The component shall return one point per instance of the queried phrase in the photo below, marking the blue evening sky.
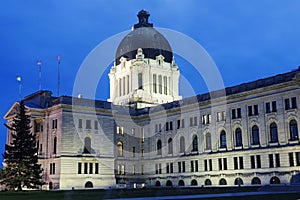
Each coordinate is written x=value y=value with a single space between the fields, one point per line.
x=247 y=39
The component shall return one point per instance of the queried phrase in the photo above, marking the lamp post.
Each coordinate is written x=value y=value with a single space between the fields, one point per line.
x=19 y=79
x=39 y=64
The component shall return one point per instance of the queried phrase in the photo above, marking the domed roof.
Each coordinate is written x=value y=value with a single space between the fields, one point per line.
x=144 y=36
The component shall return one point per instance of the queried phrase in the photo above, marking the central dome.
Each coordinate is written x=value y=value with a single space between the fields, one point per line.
x=144 y=36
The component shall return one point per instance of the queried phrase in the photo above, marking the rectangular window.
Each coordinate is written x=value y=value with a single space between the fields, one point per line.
x=255 y=107
x=159 y=84
x=156 y=168
x=132 y=131
x=252 y=161
x=178 y=124
x=195 y=121
x=165 y=85
x=241 y=162
x=167 y=168
x=91 y=168
x=298 y=158
x=205 y=165
x=96 y=125
x=159 y=127
x=258 y=161
x=271 y=161
x=119 y=169
x=223 y=115
x=85 y=168
x=171 y=125
x=182 y=123
x=291 y=159
x=274 y=107
x=196 y=166
x=171 y=167
x=54 y=124
x=239 y=113
x=220 y=163
x=294 y=102
x=225 y=163
x=250 y=111
x=287 y=104
x=235 y=162
x=96 y=168
x=154 y=83
x=50 y=168
x=179 y=167
x=268 y=107
x=183 y=166
x=192 y=166
x=79 y=123
x=140 y=81
x=233 y=116
x=124 y=86
x=123 y=169
x=88 y=124
x=277 y=160
x=79 y=168
x=167 y=126
x=159 y=170
x=191 y=121
x=219 y=116
x=210 y=165
x=128 y=85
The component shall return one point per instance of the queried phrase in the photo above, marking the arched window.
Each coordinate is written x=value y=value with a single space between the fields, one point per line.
x=54 y=145
x=273 y=132
x=255 y=135
x=169 y=183
x=274 y=180
x=255 y=181
x=182 y=145
x=157 y=184
x=88 y=184
x=170 y=146
x=222 y=181
x=158 y=147
x=293 y=130
x=181 y=183
x=223 y=139
x=194 y=182
x=207 y=182
x=87 y=145
x=238 y=137
x=208 y=141
x=238 y=181
x=120 y=148
x=195 y=143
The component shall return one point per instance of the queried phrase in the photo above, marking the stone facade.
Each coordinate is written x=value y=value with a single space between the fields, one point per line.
x=146 y=135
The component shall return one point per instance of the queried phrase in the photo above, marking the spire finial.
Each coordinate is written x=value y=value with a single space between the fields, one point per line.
x=143 y=16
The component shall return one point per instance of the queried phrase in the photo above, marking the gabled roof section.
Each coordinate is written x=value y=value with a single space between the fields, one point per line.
x=12 y=111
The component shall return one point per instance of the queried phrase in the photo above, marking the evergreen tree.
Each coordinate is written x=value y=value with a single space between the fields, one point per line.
x=21 y=168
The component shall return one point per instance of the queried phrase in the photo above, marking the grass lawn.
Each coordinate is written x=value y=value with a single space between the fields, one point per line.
x=129 y=193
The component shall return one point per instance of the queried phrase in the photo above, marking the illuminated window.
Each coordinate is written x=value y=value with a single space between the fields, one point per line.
x=120 y=148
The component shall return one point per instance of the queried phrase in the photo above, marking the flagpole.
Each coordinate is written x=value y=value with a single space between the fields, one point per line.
x=39 y=64
x=58 y=74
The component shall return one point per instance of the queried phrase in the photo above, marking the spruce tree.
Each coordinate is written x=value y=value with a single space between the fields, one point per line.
x=21 y=168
